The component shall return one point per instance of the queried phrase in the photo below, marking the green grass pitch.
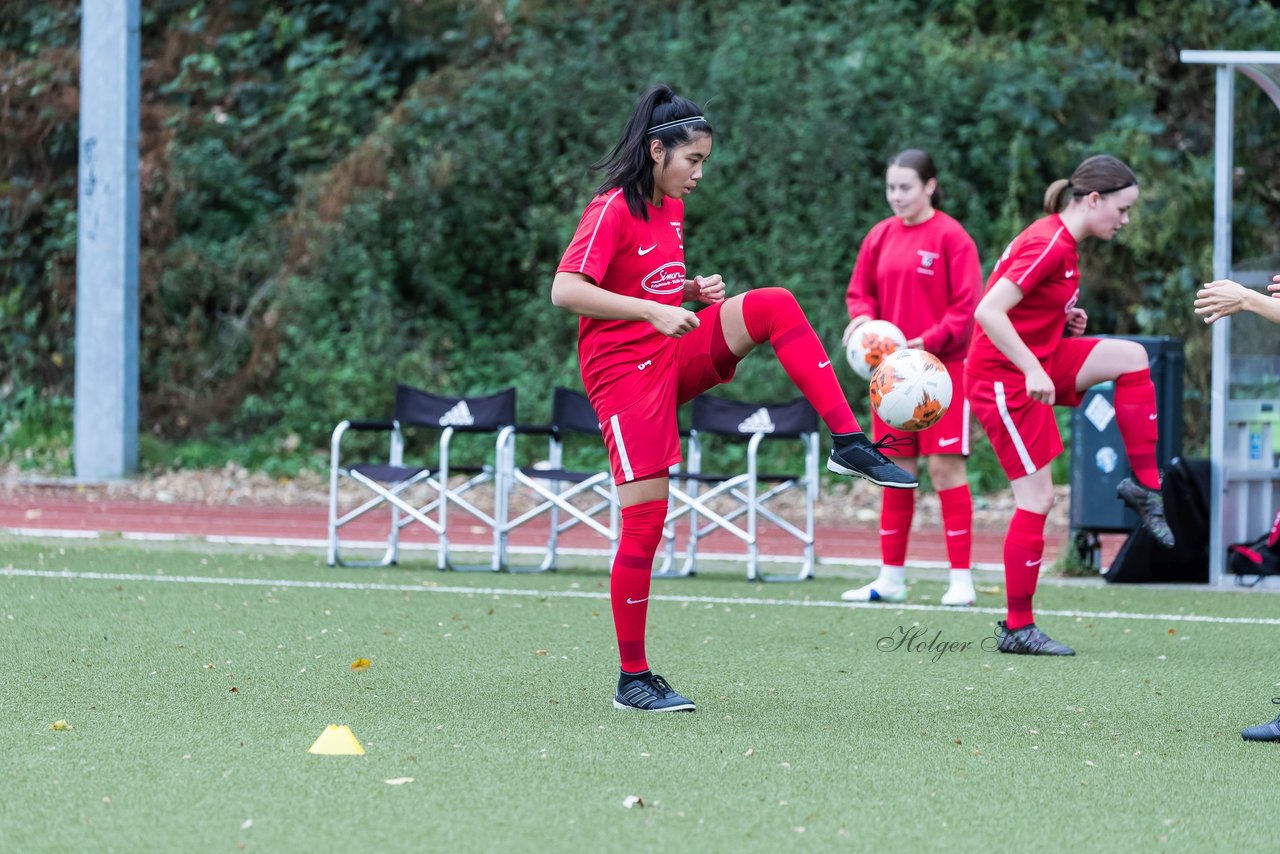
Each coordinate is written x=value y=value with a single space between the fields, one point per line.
x=194 y=684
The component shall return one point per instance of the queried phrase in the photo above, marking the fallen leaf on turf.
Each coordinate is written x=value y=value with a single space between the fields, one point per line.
x=246 y=824
x=632 y=801
x=1172 y=632
x=361 y=664
x=60 y=726
x=539 y=652
x=398 y=781
x=751 y=751
x=233 y=690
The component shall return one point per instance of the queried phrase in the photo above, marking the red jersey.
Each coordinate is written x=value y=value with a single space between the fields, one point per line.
x=1042 y=261
x=625 y=254
x=923 y=278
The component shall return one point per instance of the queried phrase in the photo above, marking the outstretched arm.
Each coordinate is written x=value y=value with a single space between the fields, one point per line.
x=1224 y=297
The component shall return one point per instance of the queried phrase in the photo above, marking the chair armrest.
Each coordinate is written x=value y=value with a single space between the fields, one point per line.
x=537 y=430
x=371 y=425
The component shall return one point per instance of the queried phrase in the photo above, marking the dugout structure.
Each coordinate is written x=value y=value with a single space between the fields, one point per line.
x=1244 y=438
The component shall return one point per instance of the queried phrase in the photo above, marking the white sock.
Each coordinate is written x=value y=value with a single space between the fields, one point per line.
x=961 y=576
x=892 y=576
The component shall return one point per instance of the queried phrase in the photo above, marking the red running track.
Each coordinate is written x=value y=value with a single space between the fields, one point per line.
x=55 y=513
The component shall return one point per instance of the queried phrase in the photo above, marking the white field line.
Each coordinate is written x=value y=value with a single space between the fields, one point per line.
x=68 y=575
x=374 y=545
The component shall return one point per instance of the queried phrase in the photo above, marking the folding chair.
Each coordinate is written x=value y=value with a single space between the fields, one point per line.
x=395 y=483
x=570 y=497
x=714 y=501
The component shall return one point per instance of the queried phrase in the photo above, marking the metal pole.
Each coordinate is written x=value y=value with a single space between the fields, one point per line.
x=1223 y=137
x=106 y=381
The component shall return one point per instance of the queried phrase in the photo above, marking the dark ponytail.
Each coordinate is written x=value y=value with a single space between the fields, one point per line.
x=920 y=161
x=659 y=114
x=1101 y=174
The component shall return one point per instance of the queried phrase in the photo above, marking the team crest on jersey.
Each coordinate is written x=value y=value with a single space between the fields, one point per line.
x=926 y=261
x=667 y=279
x=679 y=232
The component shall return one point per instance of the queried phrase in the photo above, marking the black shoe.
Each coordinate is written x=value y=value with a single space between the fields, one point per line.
x=1263 y=732
x=648 y=692
x=854 y=454
x=1029 y=640
x=1149 y=505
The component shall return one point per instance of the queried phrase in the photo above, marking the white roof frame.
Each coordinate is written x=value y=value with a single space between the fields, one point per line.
x=1244 y=492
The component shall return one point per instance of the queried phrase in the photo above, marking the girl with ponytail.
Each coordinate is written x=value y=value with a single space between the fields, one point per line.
x=1028 y=354
x=642 y=353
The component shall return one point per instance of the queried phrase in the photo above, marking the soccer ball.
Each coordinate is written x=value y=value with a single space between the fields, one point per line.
x=870 y=343
x=911 y=390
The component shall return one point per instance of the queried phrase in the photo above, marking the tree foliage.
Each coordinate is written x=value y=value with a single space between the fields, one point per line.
x=337 y=196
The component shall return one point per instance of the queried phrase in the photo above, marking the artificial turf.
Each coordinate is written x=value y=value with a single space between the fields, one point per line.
x=192 y=702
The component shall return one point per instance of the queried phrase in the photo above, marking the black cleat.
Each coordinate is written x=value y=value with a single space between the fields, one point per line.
x=1149 y=505
x=856 y=455
x=1263 y=732
x=1029 y=640
x=648 y=692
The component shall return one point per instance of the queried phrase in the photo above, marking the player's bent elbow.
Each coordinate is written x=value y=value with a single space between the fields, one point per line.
x=562 y=292
x=983 y=315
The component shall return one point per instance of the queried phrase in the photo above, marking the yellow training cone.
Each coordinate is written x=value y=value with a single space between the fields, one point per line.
x=337 y=740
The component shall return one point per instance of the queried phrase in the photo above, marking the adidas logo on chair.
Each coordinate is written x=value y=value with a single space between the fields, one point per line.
x=458 y=416
x=757 y=422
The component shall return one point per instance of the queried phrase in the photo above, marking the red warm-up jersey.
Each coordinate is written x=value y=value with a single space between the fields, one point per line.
x=1042 y=261
x=924 y=278
x=625 y=254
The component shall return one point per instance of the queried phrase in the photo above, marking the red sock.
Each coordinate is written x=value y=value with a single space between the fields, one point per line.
x=1136 y=418
x=629 y=582
x=1023 y=551
x=896 y=509
x=957 y=524
x=773 y=315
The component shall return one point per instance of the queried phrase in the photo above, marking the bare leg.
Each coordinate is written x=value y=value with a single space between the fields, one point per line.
x=1110 y=359
x=947 y=471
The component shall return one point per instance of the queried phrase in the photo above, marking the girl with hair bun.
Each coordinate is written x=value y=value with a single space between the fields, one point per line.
x=642 y=353
x=1028 y=355
x=919 y=270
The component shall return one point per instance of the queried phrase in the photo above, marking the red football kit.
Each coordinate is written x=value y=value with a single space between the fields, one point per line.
x=633 y=374
x=925 y=279
x=1043 y=262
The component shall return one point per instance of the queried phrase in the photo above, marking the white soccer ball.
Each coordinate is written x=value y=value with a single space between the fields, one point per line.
x=911 y=390
x=870 y=343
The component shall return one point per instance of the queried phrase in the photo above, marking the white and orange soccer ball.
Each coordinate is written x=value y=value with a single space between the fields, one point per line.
x=870 y=343
x=910 y=390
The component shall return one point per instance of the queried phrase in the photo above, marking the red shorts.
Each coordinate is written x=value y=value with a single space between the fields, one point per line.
x=949 y=436
x=638 y=417
x=1024 y=432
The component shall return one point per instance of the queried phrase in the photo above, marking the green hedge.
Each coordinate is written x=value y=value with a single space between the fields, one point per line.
x=339 y=196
